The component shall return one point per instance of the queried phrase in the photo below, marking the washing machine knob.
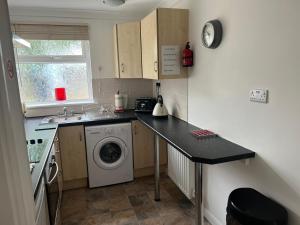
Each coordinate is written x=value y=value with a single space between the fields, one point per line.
x=108 y=131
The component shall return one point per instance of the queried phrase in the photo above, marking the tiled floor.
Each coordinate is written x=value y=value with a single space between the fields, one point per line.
x=128 y=204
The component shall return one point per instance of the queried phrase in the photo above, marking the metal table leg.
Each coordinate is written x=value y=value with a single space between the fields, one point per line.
x=198 y=193
x=156 y=164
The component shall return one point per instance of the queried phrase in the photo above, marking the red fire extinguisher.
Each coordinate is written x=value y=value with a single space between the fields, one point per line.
x=187 y=56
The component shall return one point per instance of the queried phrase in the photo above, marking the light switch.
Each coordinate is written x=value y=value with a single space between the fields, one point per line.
x=259 y=95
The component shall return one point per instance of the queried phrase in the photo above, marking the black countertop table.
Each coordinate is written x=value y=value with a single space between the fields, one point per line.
x=211 y=150
x=177 y=133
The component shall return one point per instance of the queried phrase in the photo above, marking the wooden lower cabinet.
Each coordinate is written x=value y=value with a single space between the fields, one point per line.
x=73 y=156
x=143 y=150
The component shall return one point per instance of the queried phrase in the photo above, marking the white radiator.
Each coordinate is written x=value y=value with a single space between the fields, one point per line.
x=182 y=171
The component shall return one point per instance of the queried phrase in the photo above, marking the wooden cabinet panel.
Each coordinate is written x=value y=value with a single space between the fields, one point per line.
x=172 y=30
x=143 y=145
x=129 y=50
x=116 y=53
x=159 y=28
x=73 y=152
x=149 y=46
x=143 y=148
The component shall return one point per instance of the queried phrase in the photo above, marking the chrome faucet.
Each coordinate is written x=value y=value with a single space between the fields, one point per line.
x=65 y=112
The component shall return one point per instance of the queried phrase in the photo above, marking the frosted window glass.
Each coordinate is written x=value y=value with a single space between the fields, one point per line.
x=52 y=48
x=39 y=73
x=39 y=81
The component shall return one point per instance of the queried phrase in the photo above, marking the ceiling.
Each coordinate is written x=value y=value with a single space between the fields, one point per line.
x=132 y=6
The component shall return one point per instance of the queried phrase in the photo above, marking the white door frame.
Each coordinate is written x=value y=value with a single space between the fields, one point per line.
x=16 y=192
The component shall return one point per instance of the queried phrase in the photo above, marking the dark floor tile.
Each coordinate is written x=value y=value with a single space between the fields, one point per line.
x=114 y=190
x=145 y=212
x=139 y=199
x=151 y=221
x=124 y=217
x=96 y=194
x=177 y=219
x=119 y=203
x=128 y=204
x=164 y=195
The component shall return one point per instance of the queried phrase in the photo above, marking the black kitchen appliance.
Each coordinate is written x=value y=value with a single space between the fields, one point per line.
x=145 y=104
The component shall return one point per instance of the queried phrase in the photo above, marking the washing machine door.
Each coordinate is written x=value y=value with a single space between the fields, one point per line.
x=110 y=153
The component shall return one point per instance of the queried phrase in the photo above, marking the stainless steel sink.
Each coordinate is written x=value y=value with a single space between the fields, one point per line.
x=62 y=119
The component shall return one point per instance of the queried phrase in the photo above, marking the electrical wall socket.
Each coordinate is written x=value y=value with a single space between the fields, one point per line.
x=259 y=95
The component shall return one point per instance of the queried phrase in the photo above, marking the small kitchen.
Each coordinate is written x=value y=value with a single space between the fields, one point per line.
x=126 y=120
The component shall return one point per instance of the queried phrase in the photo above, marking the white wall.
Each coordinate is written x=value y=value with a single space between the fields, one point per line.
x=175 y=95
x=259 y=50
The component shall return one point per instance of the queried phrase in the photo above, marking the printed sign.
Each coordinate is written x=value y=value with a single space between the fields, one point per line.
x=170 y=55
x=10 y=69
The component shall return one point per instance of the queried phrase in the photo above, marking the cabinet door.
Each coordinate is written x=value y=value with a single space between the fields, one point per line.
x=116 y=53
x=129 y=50
x=73 y=152
x=149 y=46
x=172 y=29
x=143 y=147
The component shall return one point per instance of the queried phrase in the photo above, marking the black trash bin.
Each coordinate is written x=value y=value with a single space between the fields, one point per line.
x=247 y=206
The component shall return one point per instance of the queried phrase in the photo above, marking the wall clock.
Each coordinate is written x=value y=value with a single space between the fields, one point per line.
x=212 y=34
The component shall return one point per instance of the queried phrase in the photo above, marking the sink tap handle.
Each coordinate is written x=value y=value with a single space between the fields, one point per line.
x=65 y=111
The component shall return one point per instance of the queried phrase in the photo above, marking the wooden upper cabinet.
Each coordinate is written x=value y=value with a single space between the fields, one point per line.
x=149 y=46
x=128 y=59
x=163 y=27
x=73 y=152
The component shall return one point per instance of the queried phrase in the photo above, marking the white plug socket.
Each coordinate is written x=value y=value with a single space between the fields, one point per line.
x=259 y=95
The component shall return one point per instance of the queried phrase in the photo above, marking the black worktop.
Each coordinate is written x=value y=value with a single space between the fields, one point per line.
x=212 y=150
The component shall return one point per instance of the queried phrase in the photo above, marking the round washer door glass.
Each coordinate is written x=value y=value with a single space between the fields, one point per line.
x=110 y=153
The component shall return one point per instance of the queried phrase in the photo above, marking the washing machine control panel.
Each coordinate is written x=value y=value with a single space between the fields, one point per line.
x=108 y=131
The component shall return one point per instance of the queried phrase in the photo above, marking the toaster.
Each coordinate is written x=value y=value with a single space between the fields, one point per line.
x=145 y=104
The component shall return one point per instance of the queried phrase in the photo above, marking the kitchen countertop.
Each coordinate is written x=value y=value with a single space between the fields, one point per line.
x=210 y=150
x=35 y=130
x=90 y=121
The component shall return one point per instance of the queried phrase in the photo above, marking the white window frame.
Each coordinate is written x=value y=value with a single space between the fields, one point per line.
x=84 y=58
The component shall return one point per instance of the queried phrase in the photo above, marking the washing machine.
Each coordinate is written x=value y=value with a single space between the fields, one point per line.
x=109 y=154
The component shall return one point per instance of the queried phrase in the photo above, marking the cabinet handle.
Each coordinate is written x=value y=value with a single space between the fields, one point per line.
x=135 y=130
x=80 y=137
x=56 y=144
x=122 y=68
x=155 y=66
x=55 y=174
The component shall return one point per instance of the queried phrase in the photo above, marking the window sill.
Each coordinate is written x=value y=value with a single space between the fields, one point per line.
x=58 y=104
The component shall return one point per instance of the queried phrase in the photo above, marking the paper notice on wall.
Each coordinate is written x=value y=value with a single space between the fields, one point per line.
x=170 y=55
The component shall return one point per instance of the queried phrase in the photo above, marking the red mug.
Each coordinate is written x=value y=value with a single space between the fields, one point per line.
x=60 y=94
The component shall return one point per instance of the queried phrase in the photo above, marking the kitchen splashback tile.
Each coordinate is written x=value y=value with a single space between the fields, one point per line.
x=105 y=89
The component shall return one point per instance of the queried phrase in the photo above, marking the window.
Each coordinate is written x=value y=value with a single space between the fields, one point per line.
x=51 y=64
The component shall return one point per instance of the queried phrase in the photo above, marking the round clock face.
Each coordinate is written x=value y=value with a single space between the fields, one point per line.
x=212 y=34
x=208 y=34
